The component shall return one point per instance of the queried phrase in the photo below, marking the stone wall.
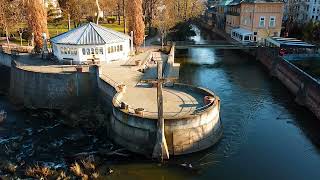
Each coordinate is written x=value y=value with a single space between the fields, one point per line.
x=303 y=86
x=4 y=79
x=184 y=135
x=5 y=59
x=50 y=90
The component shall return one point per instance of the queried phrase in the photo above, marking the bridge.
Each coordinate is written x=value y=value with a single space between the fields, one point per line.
x=213 y=44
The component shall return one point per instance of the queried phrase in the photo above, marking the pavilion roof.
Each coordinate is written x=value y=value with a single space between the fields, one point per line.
x=90 y=34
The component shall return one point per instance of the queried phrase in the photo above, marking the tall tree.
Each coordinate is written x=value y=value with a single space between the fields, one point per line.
x=37 y=21
x=11 y=15
x=136 y=23
x=76 y=10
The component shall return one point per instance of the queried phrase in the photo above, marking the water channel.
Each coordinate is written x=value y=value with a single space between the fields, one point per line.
x=266 y=135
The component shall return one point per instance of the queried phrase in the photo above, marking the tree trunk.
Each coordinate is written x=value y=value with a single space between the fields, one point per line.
x=98 y=13
x=7 y=35
x=185 y=10
x=119 y=13
x=69 y=22
x=124 y=16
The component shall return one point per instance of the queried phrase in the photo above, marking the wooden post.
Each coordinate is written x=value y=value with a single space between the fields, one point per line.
x=160 y=150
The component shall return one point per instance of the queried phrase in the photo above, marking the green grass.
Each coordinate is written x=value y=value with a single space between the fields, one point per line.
x=15 y=41
x=56 y=30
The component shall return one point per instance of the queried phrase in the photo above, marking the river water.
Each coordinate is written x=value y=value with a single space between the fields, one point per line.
x=266 y=135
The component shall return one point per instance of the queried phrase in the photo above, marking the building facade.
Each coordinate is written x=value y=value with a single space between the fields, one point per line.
x=232 y=17
x=313 y=10
x=258 y=20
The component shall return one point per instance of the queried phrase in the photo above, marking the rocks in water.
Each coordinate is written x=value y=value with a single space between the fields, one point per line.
x=8 y=167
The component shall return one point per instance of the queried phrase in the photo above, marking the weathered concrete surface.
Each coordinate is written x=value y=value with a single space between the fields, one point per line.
x=190 y=126
x=42 y=89
x=304 y=87
x=4 y=79
x=5 y=59
x=185 y=134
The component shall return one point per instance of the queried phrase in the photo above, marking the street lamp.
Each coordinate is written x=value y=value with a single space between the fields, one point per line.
x=161 y=8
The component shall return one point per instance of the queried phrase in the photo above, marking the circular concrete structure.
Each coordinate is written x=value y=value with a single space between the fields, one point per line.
x=190 y=125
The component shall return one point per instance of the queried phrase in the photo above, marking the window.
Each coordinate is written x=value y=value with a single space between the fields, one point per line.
x=312 y=17
x=92 y=51
x=118 y=48
x=121 y=48
x=88 y=51
x=101 y=50
x=112 y=50
x=272 y=22
x=75 y=51
x=261 y=22
x=314 y=9
x=61 y=50
x=96 y=50
x=246 y=38
x=316 y=17
x=109 y=50
x=83 y=51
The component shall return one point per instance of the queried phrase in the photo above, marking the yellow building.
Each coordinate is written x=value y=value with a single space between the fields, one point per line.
x=257 y=21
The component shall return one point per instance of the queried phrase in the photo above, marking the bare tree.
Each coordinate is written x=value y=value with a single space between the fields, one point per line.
x=11 y=15
x=76 y=10
x=37 y=21
x=136 y=23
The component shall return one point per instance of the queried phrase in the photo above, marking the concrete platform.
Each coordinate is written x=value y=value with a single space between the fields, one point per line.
x=178 y=103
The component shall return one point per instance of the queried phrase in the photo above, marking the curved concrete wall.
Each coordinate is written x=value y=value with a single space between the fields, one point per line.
x=185 y=135
x=50 y=90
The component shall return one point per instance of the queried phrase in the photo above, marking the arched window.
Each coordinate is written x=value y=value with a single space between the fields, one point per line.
x=65 y=50
x=112 y=49
x=109 y=50
x=61 y=50
x=118 y=48
x=75 y=51
x=121 y=47
x=92 y=50
x=69 y=52
x=88 y=51
x=83 y=51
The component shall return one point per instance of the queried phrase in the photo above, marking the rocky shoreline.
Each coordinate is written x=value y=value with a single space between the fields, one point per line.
x=52 y=144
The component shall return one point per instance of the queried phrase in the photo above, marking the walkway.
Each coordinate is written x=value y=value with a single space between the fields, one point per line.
x=177 y=102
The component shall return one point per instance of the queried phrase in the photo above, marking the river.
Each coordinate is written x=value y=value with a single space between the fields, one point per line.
x=266 y=134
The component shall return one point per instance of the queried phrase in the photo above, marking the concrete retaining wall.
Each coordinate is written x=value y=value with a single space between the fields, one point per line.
x=303 y=86
x=4 y=79
x=185 y=135
x=50 y=90
x=5 y=59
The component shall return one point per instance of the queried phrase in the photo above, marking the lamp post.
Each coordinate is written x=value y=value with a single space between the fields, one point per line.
x=162 y=27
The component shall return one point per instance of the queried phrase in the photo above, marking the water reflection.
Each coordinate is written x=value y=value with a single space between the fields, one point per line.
x=266 y=135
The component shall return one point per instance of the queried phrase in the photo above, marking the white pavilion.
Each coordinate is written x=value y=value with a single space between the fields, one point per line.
x=90 y=43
